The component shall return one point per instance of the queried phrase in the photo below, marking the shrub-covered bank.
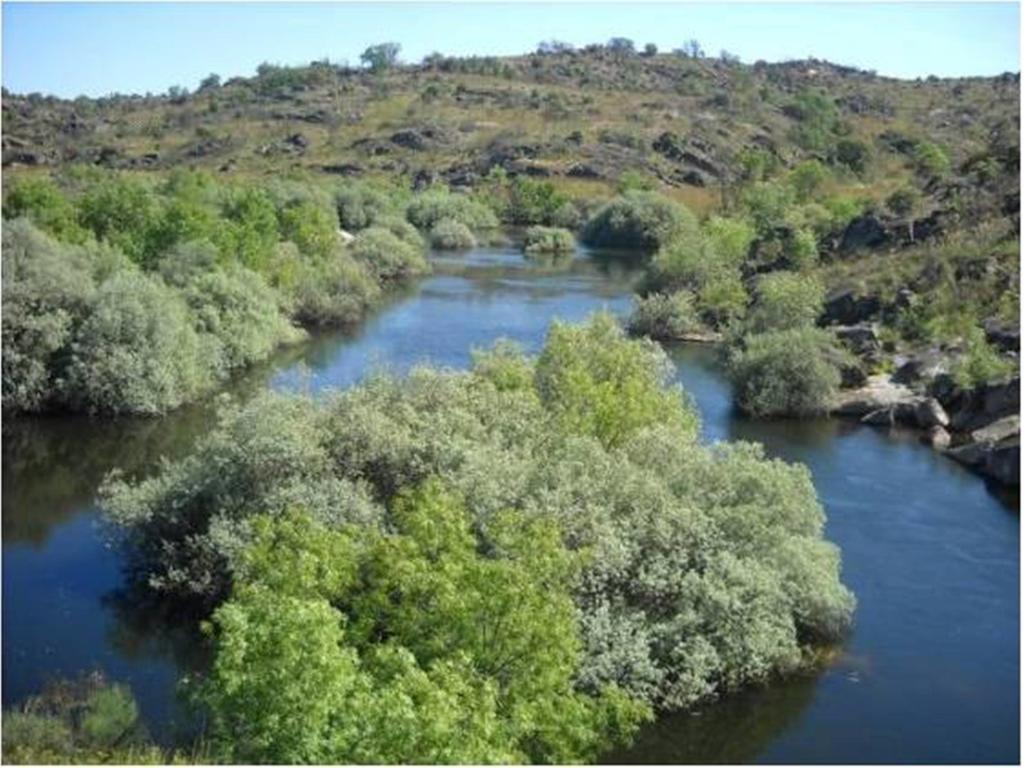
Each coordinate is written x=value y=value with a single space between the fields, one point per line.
x=126 y=294
x=425 y=533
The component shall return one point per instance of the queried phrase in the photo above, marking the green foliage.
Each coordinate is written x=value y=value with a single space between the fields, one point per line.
x=817 y=119
x=310 y=227
x=789 y=372
x=359 y=205
x=702 y=569
x=767 y=204
x=981 y=364
x=42 y=201
x=430 y=207
x=595 y=382
x=722 y=301
x=380 y=57
x=784 y=301
x=533 y=201
x=639 y=219
x=137 y=351
x=806 y=178
x=235 y=261
x=930 y=160
x=451 y=235
x=407 y=647
x=633 y=179
x=48 y=288
x=549 y=240
x=756 y=164
x=665 y=316
x=386 y=255
x=87 y=720
x=851 y=153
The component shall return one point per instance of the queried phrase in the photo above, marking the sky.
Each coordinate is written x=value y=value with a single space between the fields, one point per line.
x=71 y=49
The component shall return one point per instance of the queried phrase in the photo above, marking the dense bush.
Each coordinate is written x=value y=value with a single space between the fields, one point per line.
x=478 y=661
x=386 y=255
x=639 y=219
x=87 y=720
x=360 y=205
x=430 y=207
x=785 y=300
x=48 y=288
x=548 y=240
x=703 y=568
x=137 y=351
x=451 y=235
x=665 y=316
x=209 y=274
x=789 y=372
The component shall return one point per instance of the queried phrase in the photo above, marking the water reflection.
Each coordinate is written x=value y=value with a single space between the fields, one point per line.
x=735 y=729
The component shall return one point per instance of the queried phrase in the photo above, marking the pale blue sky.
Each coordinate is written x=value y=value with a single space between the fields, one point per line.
x=96 y=48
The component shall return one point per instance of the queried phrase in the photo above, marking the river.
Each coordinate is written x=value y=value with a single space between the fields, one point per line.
x=929 y=674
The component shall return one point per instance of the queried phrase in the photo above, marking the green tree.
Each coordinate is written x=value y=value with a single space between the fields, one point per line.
x=785 y=300
x=597 y=382
x=406 y=647
x=380 y=57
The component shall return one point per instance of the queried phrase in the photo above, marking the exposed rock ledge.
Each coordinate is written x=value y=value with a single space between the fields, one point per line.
x=991 y=447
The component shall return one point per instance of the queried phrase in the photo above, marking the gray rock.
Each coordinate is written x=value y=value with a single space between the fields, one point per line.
x=937 y=437
x=999 y=461
x=1003 y=335
x=862 y=339
x=997 y=430
x=882 y=417
x=921 y=366
x=928 y=413
x=864 y=232
x=880 y=392
x=978 y=407
x=845 y=307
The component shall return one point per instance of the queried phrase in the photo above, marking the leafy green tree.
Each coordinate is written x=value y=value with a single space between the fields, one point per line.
x=549 y=240
x=137 y=351
x=785 y=300
x=43 y=202
x=380 y=57
x=596 y=382
x=479 y=654
x=310 y=227
x=852 y=153
x=451 y=235
x=807 y=177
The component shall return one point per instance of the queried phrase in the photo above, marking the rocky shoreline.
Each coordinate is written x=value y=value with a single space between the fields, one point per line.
x=979 y=428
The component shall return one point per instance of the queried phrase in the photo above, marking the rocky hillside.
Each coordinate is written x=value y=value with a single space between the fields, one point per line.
x=580 y=117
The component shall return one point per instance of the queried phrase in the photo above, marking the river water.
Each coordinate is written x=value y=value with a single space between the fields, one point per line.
x=930 y=673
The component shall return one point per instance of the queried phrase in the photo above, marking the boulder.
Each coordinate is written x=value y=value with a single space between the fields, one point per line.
x=865 y=231
x=920 y=366
x=879 y=393
x=937 y=437
x=410 y=139
x=1003 y=335
x=928 y=414
x=845 y=307
x=861 y=339
x=997 y=460
x=997 y=430
x=882 y=417
x=973 y=409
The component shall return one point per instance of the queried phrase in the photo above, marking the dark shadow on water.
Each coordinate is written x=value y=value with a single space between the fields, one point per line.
x=734 y=729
